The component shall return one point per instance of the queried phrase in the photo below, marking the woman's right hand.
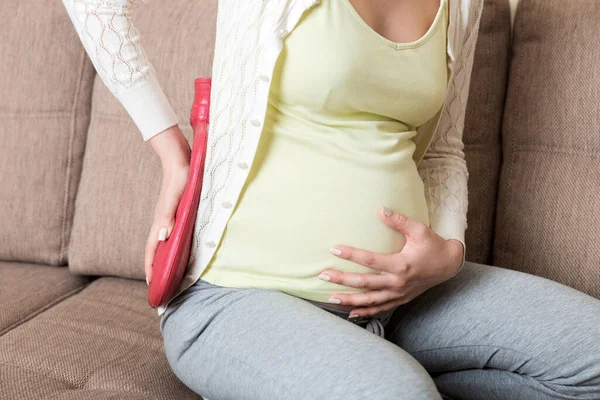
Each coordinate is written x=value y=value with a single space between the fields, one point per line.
x=174 y=152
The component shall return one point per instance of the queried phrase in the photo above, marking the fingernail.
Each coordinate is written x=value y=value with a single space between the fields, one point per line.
x=162 y=234
x=325 y=277
x=147 y=281
x=335 y=251
x=334 y=301
x=387 y=212
x=353 y=316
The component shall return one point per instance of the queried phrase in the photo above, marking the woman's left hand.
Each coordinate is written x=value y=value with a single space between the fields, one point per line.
x=426 y=260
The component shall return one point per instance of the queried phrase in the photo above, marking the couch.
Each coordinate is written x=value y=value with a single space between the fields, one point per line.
x=78 y=186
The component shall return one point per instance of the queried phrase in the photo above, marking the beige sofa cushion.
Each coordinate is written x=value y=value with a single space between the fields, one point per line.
x=28 y=289
x=547 y=221
x=483 y=123
x=102 y=343
x=45 y=92
x=122 y=175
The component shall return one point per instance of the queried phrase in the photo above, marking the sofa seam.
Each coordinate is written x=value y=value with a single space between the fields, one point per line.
x=39 y=311
x=68 y=174
x=504 y=64
x=37 y=114
x=550 y=149
x=517 y=80
x=37 y=371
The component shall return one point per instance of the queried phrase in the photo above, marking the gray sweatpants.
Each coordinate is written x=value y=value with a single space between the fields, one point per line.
x=488 y=333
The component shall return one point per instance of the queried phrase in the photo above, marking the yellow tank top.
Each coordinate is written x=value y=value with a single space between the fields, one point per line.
x=336 y=145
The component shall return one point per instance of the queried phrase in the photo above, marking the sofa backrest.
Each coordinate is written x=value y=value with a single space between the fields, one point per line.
x=45 y=93
x=121 y=177
x=548 y=205
x=483 y=126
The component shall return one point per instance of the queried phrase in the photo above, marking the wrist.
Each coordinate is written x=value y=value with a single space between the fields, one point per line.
x=172 y=147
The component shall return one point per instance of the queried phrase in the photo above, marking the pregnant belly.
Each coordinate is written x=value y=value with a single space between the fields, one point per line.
x=297 y=204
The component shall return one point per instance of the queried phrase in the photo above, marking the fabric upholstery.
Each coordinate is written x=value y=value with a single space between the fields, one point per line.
x=28 y=289
x=45 y=93
x=483 y=123
x=548 y=205
x=122 y=175
x=102 y=343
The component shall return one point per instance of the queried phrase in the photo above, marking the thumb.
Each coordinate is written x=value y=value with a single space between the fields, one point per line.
x=399 y=222
x=167 y=216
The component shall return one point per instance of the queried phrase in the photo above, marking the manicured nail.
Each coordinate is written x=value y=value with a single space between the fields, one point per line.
x=335 y=251
x=147 y=281
x=354 y=315
x=387 y=212
x=334 y=301
x=325 y=277
x=162 y=234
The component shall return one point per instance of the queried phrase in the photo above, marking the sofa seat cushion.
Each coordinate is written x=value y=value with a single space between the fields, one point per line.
x=102 y=343
x=28 y=289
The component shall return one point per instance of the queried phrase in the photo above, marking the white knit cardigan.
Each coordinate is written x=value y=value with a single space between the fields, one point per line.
x=249 y=38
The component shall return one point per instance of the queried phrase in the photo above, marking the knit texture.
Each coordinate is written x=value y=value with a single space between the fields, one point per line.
x=112 y=42
x=443 y=167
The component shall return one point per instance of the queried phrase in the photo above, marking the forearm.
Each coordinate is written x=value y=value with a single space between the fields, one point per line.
x=445 y=179
x=113 y=45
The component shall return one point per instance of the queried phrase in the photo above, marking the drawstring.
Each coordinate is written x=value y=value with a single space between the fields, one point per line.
x=374 y=325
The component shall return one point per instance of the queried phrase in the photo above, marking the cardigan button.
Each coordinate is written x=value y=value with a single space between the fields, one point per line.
x=242 y=165
x=255 y=122
x=264 y=78
x=283 y=33
x=210 y=244
x=227 y=204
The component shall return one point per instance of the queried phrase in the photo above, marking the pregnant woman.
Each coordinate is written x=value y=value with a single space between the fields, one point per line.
x=328 y=256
